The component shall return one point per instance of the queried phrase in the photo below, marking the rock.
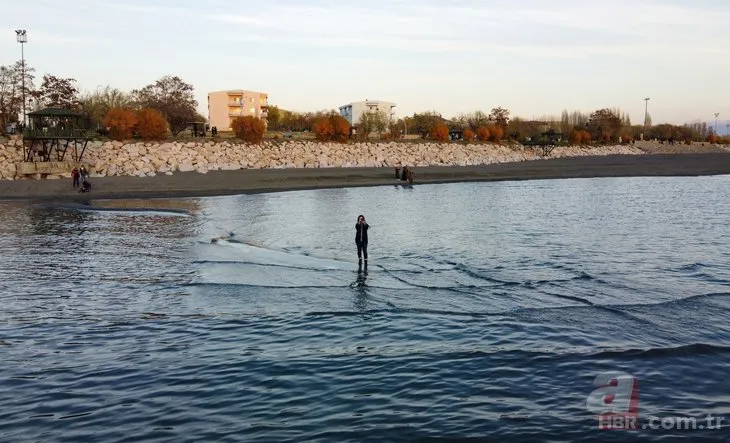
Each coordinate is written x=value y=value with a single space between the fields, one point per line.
x=186 y=167
x=168 y=173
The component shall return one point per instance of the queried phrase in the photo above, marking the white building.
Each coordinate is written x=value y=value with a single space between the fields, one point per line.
x=353 y=111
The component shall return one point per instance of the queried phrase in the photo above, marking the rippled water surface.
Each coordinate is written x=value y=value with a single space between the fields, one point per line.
x=487 y=311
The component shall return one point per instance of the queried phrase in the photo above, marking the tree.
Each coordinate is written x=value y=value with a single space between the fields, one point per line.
x=483 y=134
x=273 y=118
x=11 y=92
x=440 y=132
x=57 y=92
x=424 y=123
x=322 y=128
x=120 y=122
x=500 y=117
x=468 y=135
x=604 y=125
x=495 y=133
x=340 y=128
x=249 y=129
x=151 y=124
x=173 y=98
x=95 y=105
x=372 y=122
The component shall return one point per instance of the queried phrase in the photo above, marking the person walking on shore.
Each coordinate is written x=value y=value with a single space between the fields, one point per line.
x=84 y=173
x=75 y=175
x=361 y=238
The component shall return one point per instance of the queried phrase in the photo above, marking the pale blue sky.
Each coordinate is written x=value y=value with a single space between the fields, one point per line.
x=532 y=57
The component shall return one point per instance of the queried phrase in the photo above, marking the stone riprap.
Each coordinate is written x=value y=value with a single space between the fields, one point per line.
x=113 y=158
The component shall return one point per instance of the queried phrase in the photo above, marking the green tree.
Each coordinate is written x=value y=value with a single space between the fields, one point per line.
x=424 y=123
x=173 y=98
x=274 y=118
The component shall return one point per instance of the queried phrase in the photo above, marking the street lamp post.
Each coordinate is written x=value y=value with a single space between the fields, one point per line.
x=22 y=38
x=646 y=115
x=717 y=114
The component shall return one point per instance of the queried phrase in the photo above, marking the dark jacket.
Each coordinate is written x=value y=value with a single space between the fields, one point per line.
x=361 y=233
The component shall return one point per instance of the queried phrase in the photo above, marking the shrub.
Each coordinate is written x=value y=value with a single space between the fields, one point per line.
x=440 y=132
x=575 y=137
x=688 y=141
x=250 y=129
x=585 y=137
x=496 y=133
x=483 y=134
x=340 y=129
x=468 y=135
x=120 y=122
x=712 y=138
x=151 y=124
x=322 y=128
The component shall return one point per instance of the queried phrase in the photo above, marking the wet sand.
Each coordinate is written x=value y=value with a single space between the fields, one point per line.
x=193 y=184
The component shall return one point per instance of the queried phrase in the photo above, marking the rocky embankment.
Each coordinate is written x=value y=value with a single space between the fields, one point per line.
x=149 y=159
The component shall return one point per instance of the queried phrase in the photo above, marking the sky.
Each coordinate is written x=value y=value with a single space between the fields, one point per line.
x=532 y=57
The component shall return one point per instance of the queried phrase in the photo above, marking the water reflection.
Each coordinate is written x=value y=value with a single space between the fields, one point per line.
x=361 y=288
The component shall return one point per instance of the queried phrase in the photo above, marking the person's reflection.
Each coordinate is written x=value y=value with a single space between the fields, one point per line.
x=360 y=285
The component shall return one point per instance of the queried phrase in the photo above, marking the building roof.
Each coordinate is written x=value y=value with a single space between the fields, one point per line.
x=54 y=112
x=237 y=91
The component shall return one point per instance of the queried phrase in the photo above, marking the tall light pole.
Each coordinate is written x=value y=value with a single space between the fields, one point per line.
x=717 y=114
x=646 y=117
x=22 y=38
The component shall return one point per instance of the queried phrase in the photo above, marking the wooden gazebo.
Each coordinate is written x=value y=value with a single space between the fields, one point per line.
x=51 y=132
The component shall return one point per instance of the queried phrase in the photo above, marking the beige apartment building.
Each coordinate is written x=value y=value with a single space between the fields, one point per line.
x=224 y=106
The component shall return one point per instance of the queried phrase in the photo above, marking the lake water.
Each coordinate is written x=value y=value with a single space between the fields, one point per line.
x=487 y=311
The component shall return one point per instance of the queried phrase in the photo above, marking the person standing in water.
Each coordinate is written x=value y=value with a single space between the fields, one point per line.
x=361 y=238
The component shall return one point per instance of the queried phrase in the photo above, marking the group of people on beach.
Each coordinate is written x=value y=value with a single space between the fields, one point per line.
x=80 y=178
x=404 y=174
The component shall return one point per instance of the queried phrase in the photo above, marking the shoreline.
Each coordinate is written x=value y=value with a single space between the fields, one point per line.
x=250 y=181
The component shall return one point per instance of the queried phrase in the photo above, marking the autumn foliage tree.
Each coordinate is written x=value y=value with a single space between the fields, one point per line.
x=340 y=128
x=120 y=122
x=250 y=129
x=331 y=128
x=604 y=125
x=495 y=133
x=483 y=134
x=468 y=135
x=322 y=128
x=440 y=132
x=151 y=124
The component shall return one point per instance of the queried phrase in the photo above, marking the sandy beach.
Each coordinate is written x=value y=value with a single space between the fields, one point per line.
x=193 y=184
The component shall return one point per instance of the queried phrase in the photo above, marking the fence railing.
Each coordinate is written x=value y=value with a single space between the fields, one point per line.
x=31 y=133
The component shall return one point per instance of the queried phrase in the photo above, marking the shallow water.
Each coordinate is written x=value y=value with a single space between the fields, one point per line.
x=487 y=310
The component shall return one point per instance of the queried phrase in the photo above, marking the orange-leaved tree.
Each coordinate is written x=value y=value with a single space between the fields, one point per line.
x=322 y=128
x=495 y=133
x=575 y=137
x=468 y=135
x=585 y=137
x=340 y=128
x=483 y=134
x=120 y=122
x=440 y=132
x=250 y=129
x=151 y=124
